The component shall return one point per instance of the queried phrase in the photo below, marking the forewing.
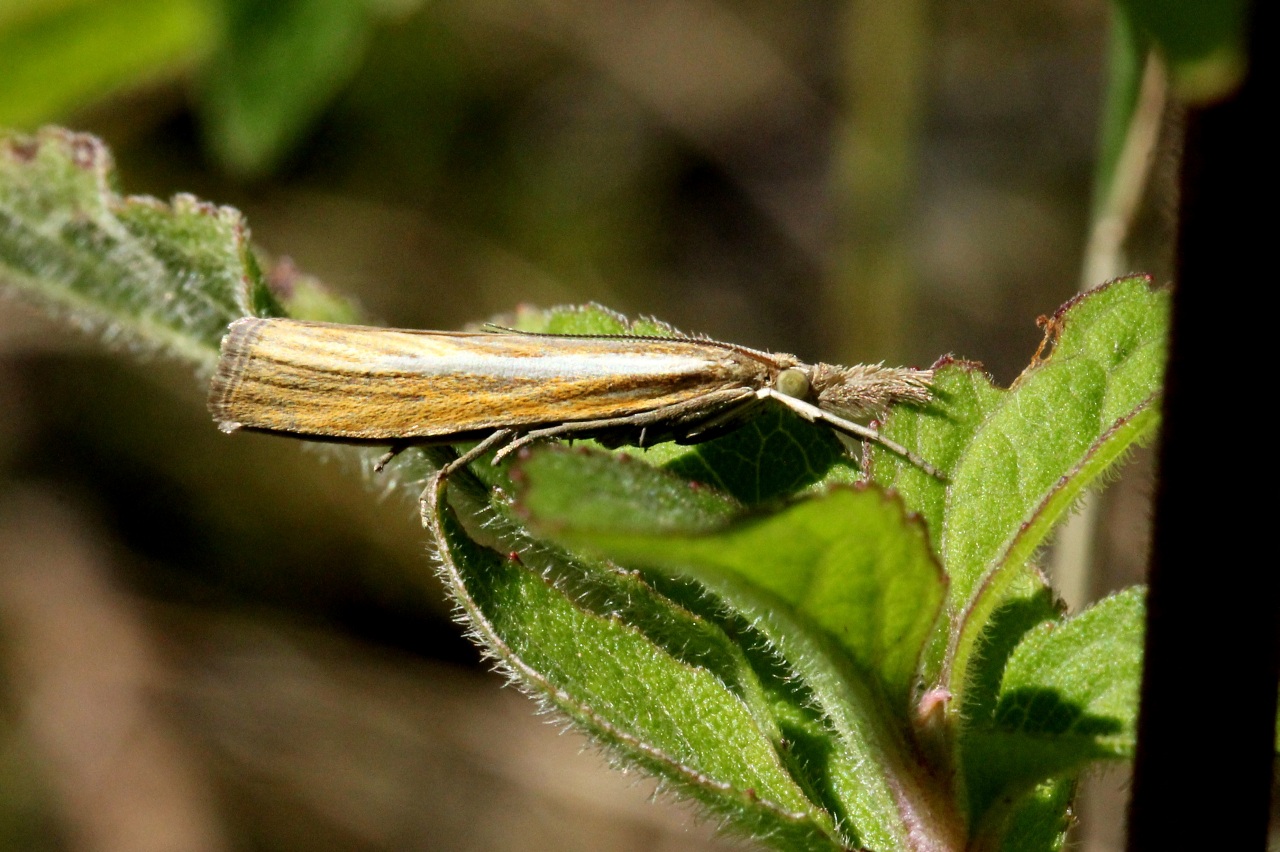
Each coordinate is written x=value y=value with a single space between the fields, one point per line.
x=358 y=383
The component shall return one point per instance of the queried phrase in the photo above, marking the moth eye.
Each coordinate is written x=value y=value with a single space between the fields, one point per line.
x=793 y=383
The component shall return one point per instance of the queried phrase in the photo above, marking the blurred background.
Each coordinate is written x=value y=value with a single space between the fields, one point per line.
x=215 y=644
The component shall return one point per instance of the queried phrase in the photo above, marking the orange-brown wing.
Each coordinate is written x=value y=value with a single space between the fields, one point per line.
x=358 y=383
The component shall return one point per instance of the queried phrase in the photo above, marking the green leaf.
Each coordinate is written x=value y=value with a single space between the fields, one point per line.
x=849 y=561
x=1030 y=605
x=59 y=55
x=1079 y=678
x=842 y=586
x=658 y=683
x=1061 y=418
x=577 y=319
x=1069 y=696
x=1203 y=44
x=772 y=455
x=1023 y=456
x=1040 y=821
x=963 y=397
x=768 y=570
x=277 y=67
x=596 y=491
x=160 y=277
x=304 y=296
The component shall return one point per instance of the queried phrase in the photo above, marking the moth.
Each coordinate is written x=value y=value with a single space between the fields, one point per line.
x=507 y=389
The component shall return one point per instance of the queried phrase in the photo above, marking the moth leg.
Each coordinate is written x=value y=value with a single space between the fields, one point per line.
x=499 y=436
x=578 y=428
x=705 y=429
x=430 y=496
x=692 y=412
x=809 y=412
x=814 y=414
x=385 y=459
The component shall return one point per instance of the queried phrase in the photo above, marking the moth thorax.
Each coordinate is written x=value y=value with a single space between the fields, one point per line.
x=793 y=383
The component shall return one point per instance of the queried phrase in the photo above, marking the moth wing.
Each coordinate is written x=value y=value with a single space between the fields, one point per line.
x=372 y=384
